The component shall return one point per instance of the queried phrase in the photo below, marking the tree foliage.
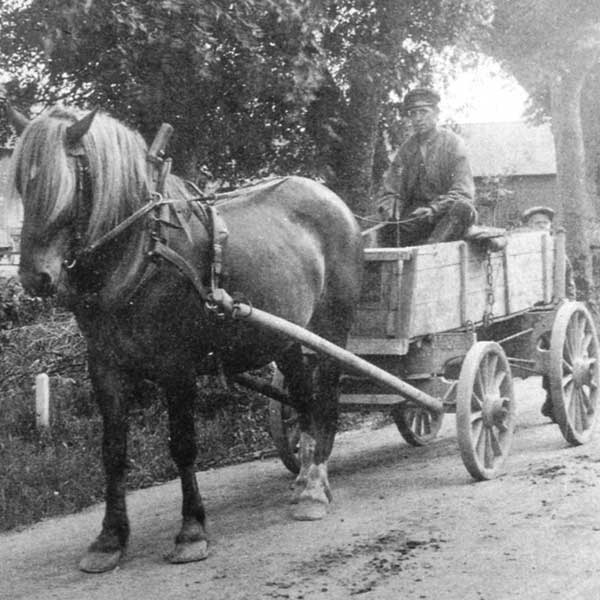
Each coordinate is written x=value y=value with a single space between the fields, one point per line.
x=227 y=75
x=552 y=46
x=251 y=86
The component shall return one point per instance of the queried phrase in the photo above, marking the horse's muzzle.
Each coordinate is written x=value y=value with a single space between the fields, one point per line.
x=38 y=283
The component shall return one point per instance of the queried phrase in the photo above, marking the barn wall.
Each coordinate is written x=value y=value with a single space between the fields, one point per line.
x=524 y=191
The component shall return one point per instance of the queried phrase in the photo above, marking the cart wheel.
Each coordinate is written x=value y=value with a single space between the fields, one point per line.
x=285 y=429
x=417 y=425
x=573 y=372
x=485 y=410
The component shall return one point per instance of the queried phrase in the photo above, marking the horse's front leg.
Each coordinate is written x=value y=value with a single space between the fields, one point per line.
x=112 y=390
x=313 y=494
x=191 y=544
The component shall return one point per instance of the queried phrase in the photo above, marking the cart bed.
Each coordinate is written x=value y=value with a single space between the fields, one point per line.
x=411 y=292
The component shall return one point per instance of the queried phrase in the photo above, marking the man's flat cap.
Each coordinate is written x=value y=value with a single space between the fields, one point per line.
x=420 y=97
x=545 y=210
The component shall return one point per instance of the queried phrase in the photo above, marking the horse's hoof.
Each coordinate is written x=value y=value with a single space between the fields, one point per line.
x=188 y=552
x=99 y=562
x=296 y=493
x=309 y=510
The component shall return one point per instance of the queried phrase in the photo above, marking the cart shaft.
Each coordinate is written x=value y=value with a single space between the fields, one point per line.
x=267 y=321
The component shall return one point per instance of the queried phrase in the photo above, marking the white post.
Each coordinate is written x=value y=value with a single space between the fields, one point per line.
x=42 y=400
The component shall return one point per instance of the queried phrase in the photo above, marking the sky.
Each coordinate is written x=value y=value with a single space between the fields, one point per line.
x=483 y=94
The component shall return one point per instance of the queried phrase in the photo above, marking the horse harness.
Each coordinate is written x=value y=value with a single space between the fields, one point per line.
x=161 y=212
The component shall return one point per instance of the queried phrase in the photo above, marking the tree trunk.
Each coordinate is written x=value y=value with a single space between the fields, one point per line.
x=590 y=122
x=577 y=212
x=355 y=175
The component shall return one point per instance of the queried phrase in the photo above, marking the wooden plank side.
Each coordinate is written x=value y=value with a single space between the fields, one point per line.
x=519 y=281
x=377 y=313
x=529 y=269
x=410 y=292
x=436 y=289
x=377 y=345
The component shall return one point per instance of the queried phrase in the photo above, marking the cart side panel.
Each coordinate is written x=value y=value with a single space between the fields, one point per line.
x=437 y=293
x=417 y=291
x=377 y=325
x=452 y=282
x=451 y=286
x=529 y=269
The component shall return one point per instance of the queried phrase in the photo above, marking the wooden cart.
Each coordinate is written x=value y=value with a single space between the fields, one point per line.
x=445 y=327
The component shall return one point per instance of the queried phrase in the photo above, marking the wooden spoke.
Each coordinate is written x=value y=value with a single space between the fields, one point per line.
x=479 y=434
x=481 y=385
x=476 y=416
x=485 y=410
x=495 y=442
x=489 y=456
x=587 y=340
x=567 y=366
x=567 y=382
x=499 y=378
x=478 y=404
x=417 y=425
x=491 y=372
x=285 y=432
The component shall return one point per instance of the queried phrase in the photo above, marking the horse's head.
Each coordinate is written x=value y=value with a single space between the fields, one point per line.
x=78 y=175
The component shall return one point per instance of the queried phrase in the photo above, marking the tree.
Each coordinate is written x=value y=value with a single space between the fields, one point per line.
x=551 y=46
x=251 y=86
x=590 y=112
x=374 y=51
x=229 y=76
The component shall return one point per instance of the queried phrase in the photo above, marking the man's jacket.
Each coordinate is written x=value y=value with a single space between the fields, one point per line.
x=437 y=177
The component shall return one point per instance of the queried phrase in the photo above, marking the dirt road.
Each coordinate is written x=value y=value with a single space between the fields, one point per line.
x=407 y=523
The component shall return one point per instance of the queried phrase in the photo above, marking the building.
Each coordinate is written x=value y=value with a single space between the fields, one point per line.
x=514 y=166
x=10 y=212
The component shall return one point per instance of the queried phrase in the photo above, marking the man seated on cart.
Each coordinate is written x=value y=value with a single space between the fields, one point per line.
x=542 y=217
x=429 y=183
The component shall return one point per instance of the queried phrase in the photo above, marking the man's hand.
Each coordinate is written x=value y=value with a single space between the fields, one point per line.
x=423 y=212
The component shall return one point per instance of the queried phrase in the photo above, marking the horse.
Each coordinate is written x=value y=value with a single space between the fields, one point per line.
x=293 y=249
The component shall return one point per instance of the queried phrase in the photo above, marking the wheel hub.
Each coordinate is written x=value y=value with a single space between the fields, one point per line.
x=581 y=372
x=495 y=409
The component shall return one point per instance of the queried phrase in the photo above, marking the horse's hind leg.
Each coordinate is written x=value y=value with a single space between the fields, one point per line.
x=191 y=544
x=296 y=371
x=332 y=323
x=111 y=389
x=315 y=494
x=312 y=385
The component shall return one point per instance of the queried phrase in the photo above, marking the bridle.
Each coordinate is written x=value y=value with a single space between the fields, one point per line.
x=79 y=252
x=202 y=206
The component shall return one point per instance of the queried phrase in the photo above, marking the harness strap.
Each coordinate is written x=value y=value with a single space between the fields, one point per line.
x=184 y=266
x=219 y=234
x=113 y=233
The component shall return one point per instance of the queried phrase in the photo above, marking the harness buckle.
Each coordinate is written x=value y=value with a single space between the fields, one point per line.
x=219 y=303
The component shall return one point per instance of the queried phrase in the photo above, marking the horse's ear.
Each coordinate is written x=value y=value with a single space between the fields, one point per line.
x=18 y=120
x=76 y=131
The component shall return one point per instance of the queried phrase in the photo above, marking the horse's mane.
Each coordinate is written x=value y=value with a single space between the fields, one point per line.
x=117 y=164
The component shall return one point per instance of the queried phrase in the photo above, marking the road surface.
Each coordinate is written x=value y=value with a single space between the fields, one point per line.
x=406 y=523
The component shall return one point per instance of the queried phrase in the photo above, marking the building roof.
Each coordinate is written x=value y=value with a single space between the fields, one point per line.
x=511 y=148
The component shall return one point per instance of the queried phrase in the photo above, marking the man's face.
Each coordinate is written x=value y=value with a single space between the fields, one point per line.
x=423 y=118
x=540 y=221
